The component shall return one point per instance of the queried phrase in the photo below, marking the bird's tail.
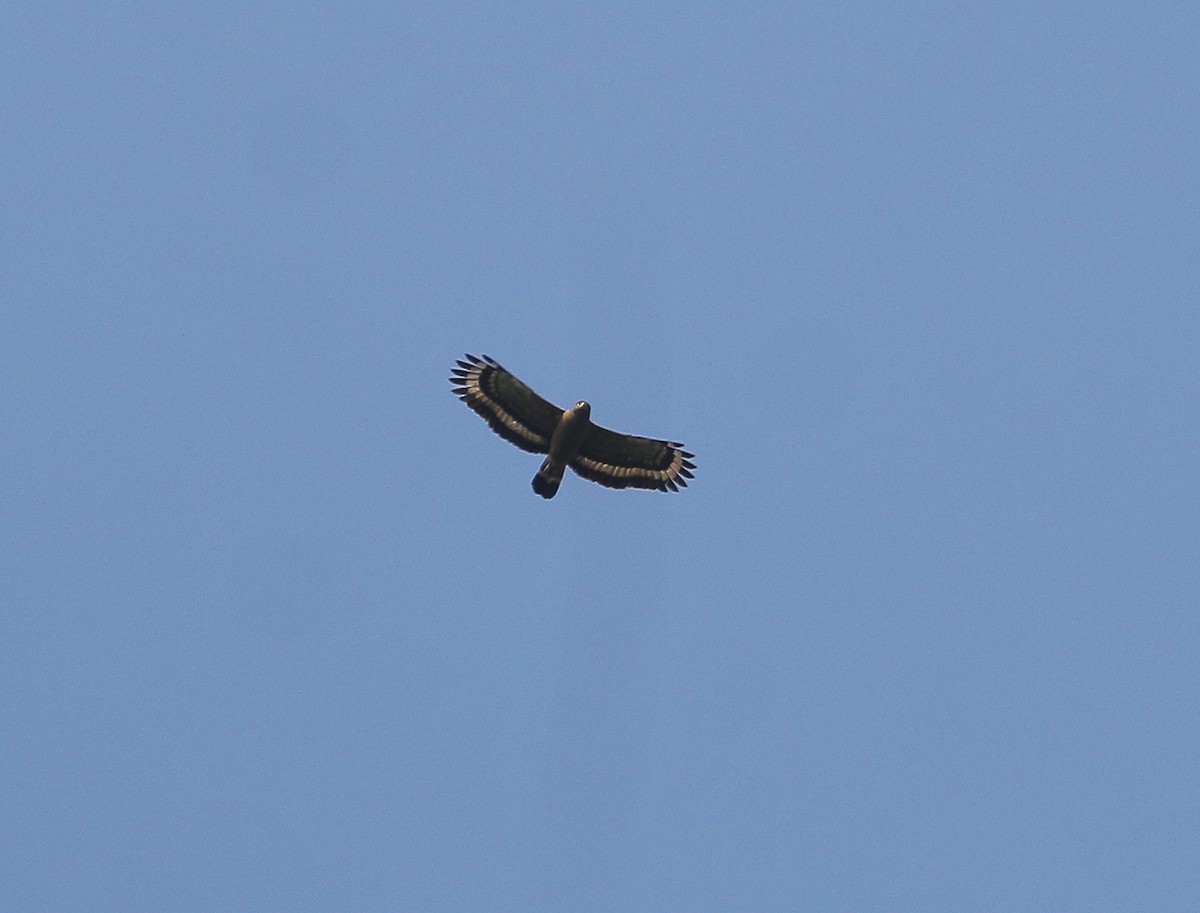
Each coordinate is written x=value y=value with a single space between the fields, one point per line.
x=548 y=478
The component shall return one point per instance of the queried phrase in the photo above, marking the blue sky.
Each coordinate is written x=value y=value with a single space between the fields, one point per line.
x=285 y=627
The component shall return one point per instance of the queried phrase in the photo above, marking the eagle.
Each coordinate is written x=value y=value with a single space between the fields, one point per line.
x=568 y=437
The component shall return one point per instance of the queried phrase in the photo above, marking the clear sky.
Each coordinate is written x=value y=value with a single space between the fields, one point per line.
x=284 y=627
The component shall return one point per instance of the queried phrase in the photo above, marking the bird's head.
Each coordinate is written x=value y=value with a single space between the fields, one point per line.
x=583 y=408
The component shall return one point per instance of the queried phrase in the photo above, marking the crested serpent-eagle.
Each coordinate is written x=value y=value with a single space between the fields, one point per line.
x=568 y=438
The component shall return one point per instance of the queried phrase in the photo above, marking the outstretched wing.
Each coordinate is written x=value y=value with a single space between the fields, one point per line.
x=514 y=411
x=627 y=461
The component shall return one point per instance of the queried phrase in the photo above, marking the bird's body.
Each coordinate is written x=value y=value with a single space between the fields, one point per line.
x=564 y=445
x=568 y=437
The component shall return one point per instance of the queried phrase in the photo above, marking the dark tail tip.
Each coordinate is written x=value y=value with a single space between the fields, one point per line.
x=546 y=484
x=545 y=487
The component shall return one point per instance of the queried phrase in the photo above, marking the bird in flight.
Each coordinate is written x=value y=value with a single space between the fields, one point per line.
x=568 y=437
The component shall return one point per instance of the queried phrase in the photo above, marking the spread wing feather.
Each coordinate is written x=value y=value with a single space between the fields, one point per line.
x=627 y=461
x=512 y=410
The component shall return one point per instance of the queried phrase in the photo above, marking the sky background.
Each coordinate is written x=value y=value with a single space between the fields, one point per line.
x=284 y=627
